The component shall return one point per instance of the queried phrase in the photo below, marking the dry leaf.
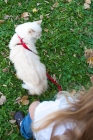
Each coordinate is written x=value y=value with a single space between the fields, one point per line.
x=19 y=4
x=12 y=113
x=1 y=21
x=69 y=0
x=46 y=30
x=91 y=79
x=6 y=17
x=88 y=1
x=86 y=6
x=12 y=121
x=34 y=10
x=5 y=1
x=3 y=98
x=90 y=61
x=41 y=16
x=1 y=102
x=24 y=98
x=54 y=77
x=55 y=5
x=5 y=70
x=25 y=102
x=25 y=15
x=88 y=53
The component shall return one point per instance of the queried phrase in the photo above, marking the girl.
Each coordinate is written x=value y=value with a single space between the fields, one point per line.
x=65 y=118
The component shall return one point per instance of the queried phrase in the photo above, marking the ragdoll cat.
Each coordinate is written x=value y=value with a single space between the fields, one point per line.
x=27 y=63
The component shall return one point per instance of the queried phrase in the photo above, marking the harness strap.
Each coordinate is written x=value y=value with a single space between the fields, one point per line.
x=48 y=76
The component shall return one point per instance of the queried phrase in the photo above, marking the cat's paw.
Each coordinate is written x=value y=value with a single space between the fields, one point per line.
x=24 y=86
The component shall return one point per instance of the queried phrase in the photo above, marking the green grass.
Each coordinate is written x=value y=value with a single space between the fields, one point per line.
x=70 y=30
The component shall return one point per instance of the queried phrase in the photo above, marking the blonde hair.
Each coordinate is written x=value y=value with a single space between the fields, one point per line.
x=82 y=115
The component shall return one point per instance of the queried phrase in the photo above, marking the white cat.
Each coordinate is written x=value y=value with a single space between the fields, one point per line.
x=27 y=63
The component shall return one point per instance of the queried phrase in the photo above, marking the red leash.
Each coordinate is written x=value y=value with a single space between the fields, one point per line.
x=48 y=76
x=24 y=45
x=53 y=81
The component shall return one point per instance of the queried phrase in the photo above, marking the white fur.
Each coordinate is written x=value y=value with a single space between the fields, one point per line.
x=27 y=64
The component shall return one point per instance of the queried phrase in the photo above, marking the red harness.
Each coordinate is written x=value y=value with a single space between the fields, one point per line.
x=48 y=76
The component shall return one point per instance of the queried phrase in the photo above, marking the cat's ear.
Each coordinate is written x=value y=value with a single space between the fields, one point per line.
x=39 y=22
x=31 y=31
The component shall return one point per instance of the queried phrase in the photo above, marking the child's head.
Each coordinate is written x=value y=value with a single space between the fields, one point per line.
x=81 y=112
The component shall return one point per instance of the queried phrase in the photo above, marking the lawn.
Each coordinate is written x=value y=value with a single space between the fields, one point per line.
x=67 y=31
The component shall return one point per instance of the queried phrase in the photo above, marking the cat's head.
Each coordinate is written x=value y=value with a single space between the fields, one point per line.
x=29 y=30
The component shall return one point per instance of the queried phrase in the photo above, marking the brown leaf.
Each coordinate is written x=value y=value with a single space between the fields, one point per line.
x=46 y=30
x=12 y=113
x=86 y=6
x=41 y=16
x=19 y=4
x=69 y=0
x=5 y=70
x=12 y=121
x=88 y=53
x=24 y=98
x=91 y=79
x=90 y=62
x=3 y=98
x=25 y=15
x=1 y=102
x=55 y=5
x=25 y=102
x=6 y=17
x=1 y=21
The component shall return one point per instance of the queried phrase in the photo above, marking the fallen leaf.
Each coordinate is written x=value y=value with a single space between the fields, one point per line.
x=69 y=0
x=55 y=5
x=86 y=6
x=18 y=98
x=12 y=121
x=24 y=98
x=5 y=1
x=19 y=4
x=6 y=17
x=88 y=53
x=90 y=61
x=88 y=1
x=1 y=21
x=10 y=132
x=3 y=98
x=5 y=70
x=25 y=15
x=91 y=79
x=41 y=16
x=1 y=102
x=34 y=10
x=46 y=30
x=12 y=113
x=25 y=102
